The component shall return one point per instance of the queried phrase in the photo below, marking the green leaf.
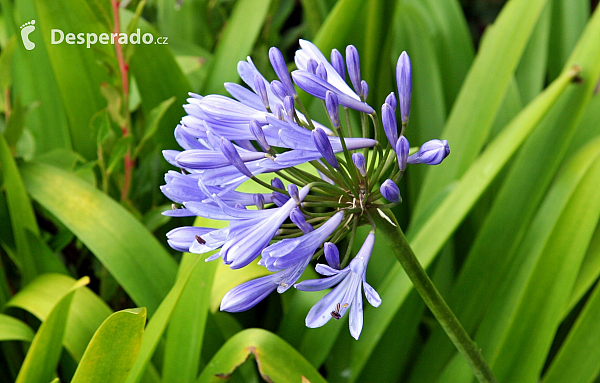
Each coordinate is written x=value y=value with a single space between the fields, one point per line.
x=480 y=97
x=522 y=351
x=567 y=22
x=43 y=355
x=77 y=71
x=531 y=72
x=13 y=329
x=86 y=314
x=153 y=122
x=519 y=327
x=187 y=325
x=449 y=31
x=21 y=212
x=147 y=62
x=158 y=323
x=235 y=43
x=118 y=152
x=113 y=349
x=185 y=21
x=6 y=63
x=277 y=361
x=578 y=360
x=35 y=82
x=517 y=199
x=123 y=245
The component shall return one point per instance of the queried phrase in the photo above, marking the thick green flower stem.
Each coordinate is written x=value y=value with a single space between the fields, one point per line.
x=457 y=334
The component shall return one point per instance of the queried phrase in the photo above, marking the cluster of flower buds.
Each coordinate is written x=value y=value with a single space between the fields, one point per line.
x=265 y=129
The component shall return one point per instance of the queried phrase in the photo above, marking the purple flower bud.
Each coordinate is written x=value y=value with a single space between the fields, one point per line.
x=391 y=100
x=404 y=82
x=293 y=192
x=388 y=118
x=337 y=61
x=261 y=89
x=353 y=63
x=289 y=106
x=278 y=89
x=233 y=157
x=321 y=71
x=277 y=183
x=332 y=255
x=431 y=153
x=365 y=89
x=315 y=86
x=278 y=111
x=280 y=199
x=402 y=149
x=259 y=201
x=359 y=162
x=280 y=68
x=389 y=190
x=324 y=147
x=298 y=219
x=333 y=106
x=311 y=66
x=258 y=133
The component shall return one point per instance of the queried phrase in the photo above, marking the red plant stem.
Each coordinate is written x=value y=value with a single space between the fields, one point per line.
x=128 y=163
x=123 y=67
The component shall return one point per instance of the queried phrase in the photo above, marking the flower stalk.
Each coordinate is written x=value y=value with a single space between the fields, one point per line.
x=433 y=299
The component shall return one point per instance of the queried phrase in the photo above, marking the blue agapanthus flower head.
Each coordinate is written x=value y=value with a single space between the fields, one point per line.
x=317 y=182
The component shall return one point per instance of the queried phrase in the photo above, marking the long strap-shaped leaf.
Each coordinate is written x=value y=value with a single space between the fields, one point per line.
x=277 y=361
x=113 y=349
x=44 y=353
x=13 y=329
x=123 y=245
x=518 y=329
x=88 y=311
x=481 y=95
x=516 y=203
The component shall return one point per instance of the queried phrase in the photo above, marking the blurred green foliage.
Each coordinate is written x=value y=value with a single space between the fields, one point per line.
x=508 y=227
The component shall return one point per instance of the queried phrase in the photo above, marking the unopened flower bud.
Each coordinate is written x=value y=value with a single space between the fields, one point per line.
x=289 y=106
x=311 y=66
x=259 y=201
x=278 y=89
x=293 y=192
x=333 y=106
x=365 y=89
x=258 y=133
x=337 y=62
x=402 y=149
x=321 y=71
x=431 y=153
x=353 y=63
x=279 y=199
x=277 y=183
x=298 y=219
x=391 y=100
x=389 y=190
x=359 y=162
x=278 y=63
x=323 y=145
x=233 y=157
x=404 y=82
x=261 y=90
x=388 y=118
x=332 y=255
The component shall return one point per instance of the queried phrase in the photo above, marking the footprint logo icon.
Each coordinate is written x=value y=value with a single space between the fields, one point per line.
x=26 y=29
